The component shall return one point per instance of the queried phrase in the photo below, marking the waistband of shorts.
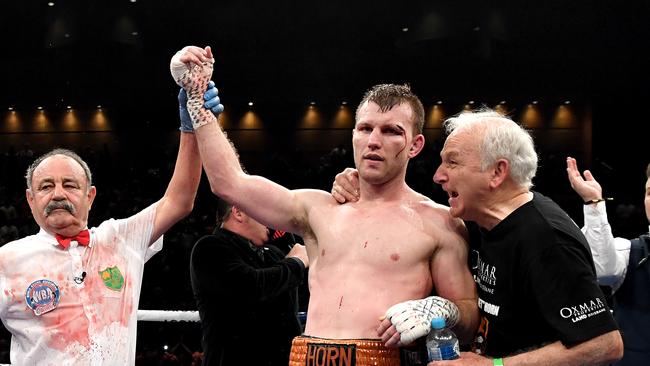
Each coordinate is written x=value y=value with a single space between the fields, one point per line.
x=308 y=351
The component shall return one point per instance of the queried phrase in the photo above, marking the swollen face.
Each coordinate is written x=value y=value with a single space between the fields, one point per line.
x=381 y=140
x=60 y=198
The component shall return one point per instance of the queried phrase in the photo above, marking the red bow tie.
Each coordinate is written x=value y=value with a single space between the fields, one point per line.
x=83 y=238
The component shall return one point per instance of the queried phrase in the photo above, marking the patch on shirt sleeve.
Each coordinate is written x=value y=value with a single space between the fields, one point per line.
x=112 y=278
x=42 y=296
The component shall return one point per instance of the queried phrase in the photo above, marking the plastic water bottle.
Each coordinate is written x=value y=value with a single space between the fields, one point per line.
x=442 y=343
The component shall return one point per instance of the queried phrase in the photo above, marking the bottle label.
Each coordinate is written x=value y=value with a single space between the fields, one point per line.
x=447 y=352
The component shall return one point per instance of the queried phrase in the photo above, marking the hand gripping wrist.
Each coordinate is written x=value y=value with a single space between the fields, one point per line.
x=194 y=79
x=412 y=318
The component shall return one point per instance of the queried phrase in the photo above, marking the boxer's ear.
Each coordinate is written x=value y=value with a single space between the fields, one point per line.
x=416 y=146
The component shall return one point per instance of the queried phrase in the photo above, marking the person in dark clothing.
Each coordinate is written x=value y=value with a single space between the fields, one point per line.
x=246 y=292
x=621 y=264
x=539 y=299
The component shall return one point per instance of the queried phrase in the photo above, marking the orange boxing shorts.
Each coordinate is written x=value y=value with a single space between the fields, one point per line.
x=313 y=351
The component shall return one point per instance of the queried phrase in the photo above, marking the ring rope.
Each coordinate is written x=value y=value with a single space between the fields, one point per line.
x=168 y=316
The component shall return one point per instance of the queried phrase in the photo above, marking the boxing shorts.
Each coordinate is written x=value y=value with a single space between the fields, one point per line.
x=313 y=351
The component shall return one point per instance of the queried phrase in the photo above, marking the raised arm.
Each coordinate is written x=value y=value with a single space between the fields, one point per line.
x=611 y=255
x=264 y=200
x=178 y=200
x=588 y=188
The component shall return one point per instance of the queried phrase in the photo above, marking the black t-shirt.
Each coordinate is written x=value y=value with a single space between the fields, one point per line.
x=247 y=304
x=536 y=282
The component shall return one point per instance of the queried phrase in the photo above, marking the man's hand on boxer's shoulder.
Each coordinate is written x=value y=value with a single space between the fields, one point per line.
x=346 y=186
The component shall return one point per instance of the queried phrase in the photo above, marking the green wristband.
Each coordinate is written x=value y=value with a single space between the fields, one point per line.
x=497 y=362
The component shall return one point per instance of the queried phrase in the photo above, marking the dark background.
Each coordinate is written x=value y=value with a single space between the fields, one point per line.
x=283 y=55
x=116 y=53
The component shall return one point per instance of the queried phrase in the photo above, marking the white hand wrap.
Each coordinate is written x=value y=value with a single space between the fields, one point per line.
x=412 y=318
x=194 y=79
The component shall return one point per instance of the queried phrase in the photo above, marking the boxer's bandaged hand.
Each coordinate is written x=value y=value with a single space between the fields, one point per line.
x=412 y=318
x=194 y=79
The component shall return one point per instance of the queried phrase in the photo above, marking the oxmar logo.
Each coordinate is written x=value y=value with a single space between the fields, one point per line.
x=583 y=311
x=486 y=273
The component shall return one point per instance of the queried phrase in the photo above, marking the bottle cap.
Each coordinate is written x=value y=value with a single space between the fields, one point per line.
x=437 y=323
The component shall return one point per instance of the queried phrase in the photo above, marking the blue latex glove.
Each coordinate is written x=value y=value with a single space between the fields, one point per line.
x=186 y=120
x=212 y=103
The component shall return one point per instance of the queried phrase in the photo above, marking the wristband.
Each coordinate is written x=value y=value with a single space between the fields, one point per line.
x=497 y=362
x=598 y=200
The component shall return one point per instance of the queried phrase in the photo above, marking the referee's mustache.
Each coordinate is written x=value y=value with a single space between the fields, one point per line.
x=55 y=205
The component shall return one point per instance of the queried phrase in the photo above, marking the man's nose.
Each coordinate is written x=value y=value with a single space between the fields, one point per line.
x=374 y=139
x=439 y=177
x=59 y=192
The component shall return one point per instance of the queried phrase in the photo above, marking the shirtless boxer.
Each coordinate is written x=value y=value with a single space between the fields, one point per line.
x=371 y=260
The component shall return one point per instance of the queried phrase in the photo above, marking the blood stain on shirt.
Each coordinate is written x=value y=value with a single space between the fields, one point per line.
x=71 y=326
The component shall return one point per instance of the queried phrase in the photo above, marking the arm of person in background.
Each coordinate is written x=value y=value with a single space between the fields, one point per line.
x=219 y=262
x=178 y=199
x=267 y=202
x=611 y=255
x=601 y=350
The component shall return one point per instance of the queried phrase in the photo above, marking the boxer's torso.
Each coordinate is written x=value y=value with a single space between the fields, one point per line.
x=367 y=257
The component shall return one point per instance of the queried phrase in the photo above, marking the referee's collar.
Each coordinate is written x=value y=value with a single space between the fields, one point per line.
x=47 y=237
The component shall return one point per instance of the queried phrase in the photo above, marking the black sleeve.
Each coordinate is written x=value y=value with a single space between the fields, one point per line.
x=224 y=265
x=567 y=293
